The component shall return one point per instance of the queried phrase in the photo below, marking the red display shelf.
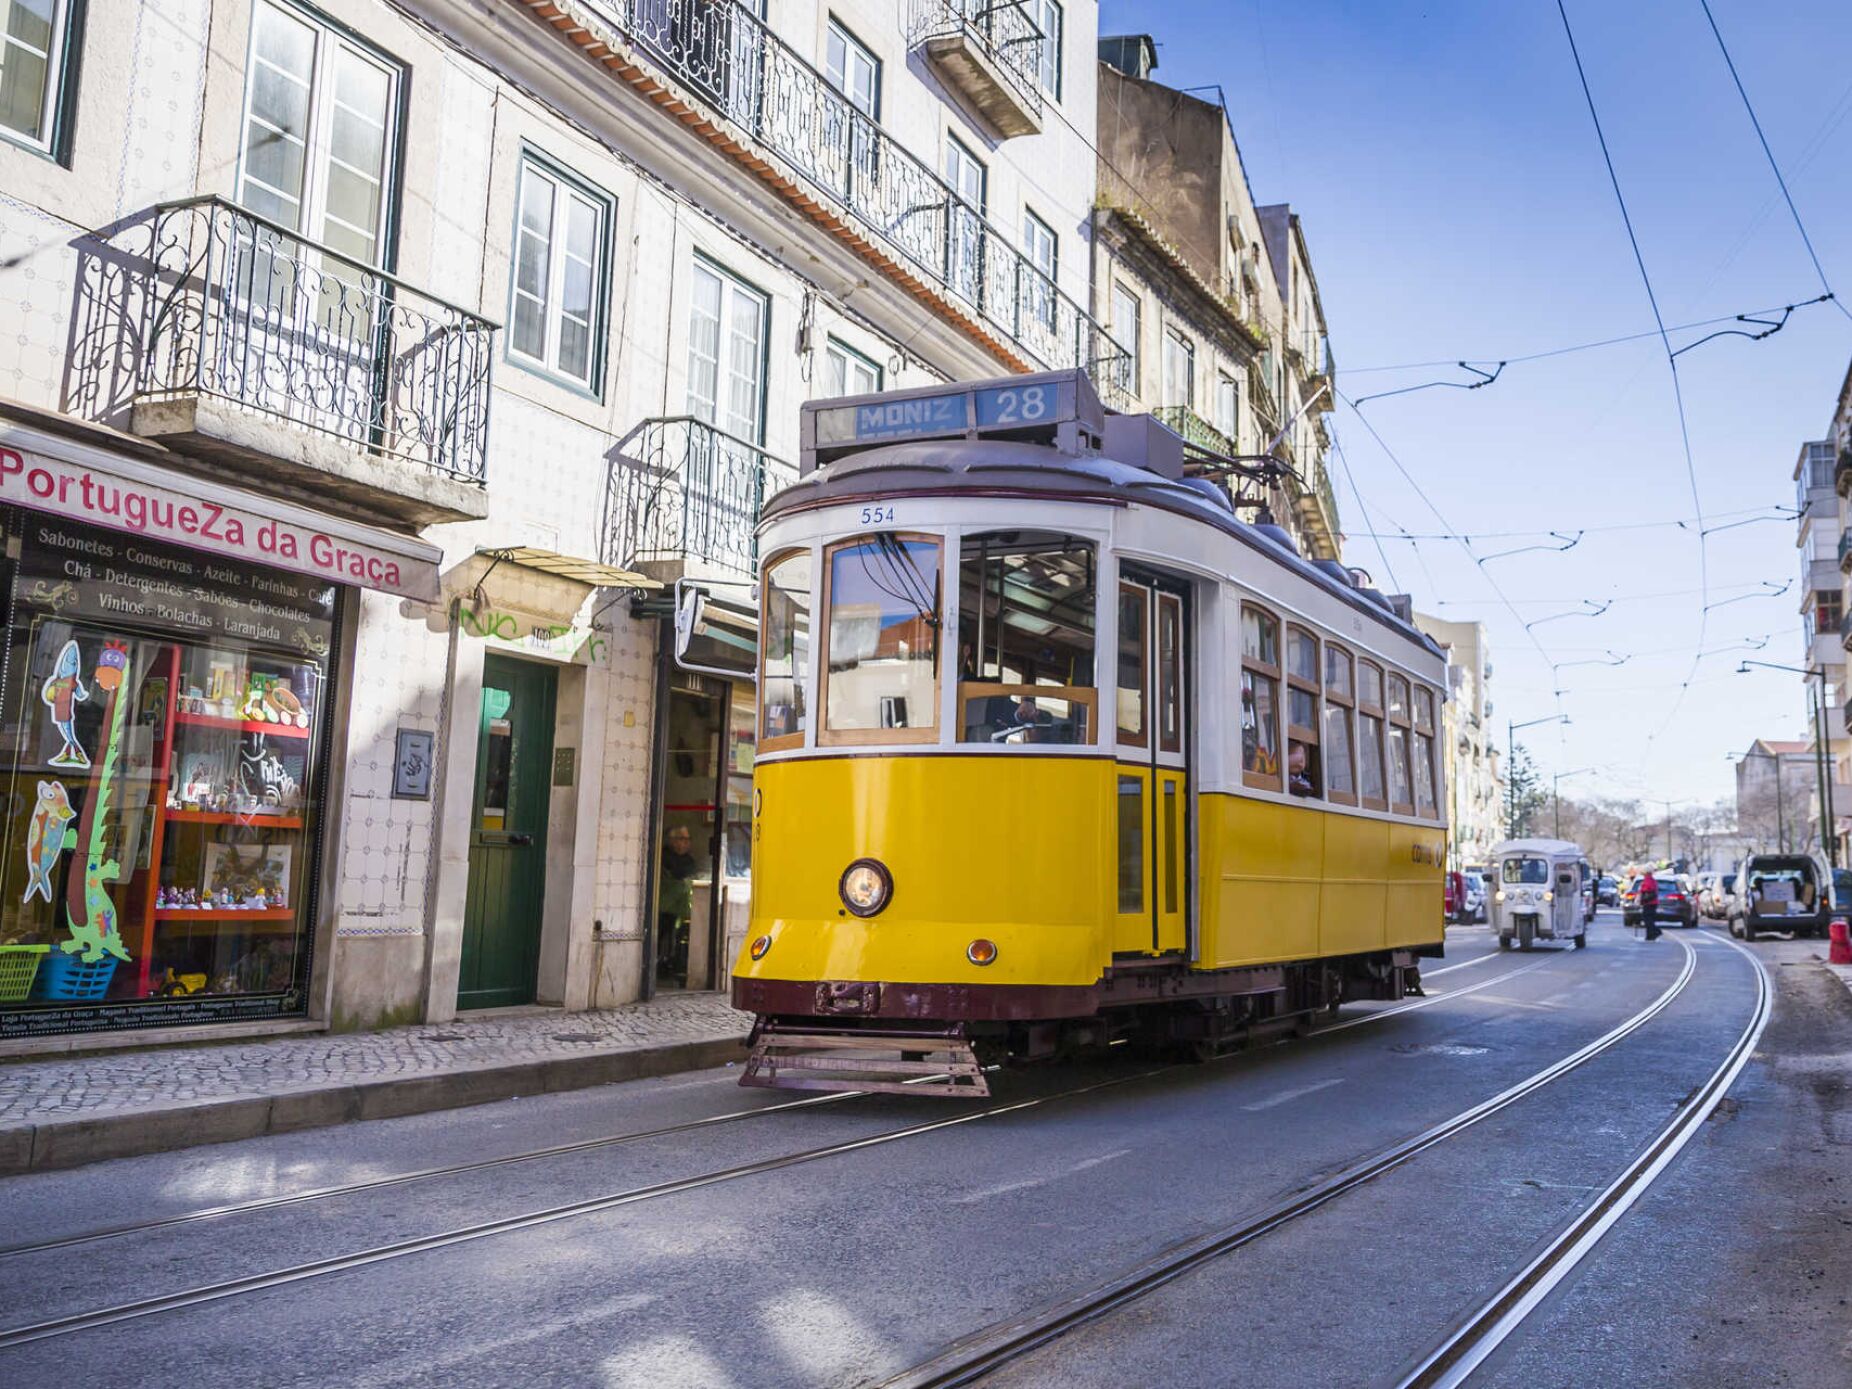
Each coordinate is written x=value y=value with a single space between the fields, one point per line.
x=232 y=817
x=224 y=913
x=282 y=730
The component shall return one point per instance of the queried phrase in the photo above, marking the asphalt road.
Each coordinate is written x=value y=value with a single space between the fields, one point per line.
x=846 y=1267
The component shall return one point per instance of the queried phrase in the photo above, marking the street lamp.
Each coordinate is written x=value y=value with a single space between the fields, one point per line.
x=1556 y=794
x=1829 y=826
x=1511 y=762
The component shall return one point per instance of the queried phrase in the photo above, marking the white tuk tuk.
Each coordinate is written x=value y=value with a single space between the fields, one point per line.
x=1537 y=892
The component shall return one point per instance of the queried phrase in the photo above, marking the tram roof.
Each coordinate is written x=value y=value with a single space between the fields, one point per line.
x=1008 y=468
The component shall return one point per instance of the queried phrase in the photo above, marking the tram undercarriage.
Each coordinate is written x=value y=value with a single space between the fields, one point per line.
x=867 y=1035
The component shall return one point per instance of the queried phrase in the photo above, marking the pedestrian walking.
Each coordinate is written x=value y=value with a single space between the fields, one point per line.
x=1649 y=904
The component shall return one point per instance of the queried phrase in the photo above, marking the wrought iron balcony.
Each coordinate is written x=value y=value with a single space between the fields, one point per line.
x=235 y=338
x=1197 y=430
x=1842 y=472
x=683 y=491
x=1845 y=552
x=989 y=51
x=1845 y=632
x=722 y=54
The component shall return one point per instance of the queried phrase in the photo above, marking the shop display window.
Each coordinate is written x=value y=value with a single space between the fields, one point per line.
x=161 y=743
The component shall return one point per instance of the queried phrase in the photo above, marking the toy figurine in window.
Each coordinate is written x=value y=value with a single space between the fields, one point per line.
x=88 y=907
x=63 y=689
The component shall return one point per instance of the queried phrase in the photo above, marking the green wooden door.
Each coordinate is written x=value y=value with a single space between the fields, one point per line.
x=508 y=836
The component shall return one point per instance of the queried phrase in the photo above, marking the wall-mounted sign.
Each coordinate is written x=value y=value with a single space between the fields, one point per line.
x=413 y=755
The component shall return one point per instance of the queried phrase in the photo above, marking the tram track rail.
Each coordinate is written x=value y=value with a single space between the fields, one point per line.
x=585 y=1145
x=229 y=1288
x=1476 y=1337
x=984 y=1352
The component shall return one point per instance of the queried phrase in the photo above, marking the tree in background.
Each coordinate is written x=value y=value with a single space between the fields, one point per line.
x=1527 y=797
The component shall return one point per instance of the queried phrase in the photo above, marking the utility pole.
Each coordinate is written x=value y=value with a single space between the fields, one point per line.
x=1556 y=794
x=1511 y=767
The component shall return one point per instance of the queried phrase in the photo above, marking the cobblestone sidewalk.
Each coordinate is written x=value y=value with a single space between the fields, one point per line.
x=215 y=1093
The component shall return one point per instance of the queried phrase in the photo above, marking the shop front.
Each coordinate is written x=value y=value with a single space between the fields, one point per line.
x=170 y=689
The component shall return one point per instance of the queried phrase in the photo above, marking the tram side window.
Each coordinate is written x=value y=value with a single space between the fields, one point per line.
x=1400 y=796
x=1425 y=803
x=784 y=702
x=1372 y=783
x=1304 y=772
x=1133 y=605
x=1340 y=742
x=1260 y=698
x=882 y=651
x=1026 y=603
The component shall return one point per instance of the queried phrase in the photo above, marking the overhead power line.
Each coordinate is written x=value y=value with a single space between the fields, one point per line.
x=1769 y=154
x=1678 y=390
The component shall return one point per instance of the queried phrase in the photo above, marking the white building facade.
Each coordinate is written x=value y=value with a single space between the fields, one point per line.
x=480 y=320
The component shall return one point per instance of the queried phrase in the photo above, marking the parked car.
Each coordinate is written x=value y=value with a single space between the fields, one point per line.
x=1453 y=897
x=1474 y=910
x=1714 y=898
x=1607 y=891
x=1782 y=892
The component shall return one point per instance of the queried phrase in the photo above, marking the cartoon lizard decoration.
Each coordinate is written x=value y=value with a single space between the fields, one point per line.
x=87 y=904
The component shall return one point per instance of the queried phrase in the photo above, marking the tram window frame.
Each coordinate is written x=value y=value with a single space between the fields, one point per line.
x=977 y=687
x=824 y=621
x=1308 y=734
x=1140 y=736
x=1343 y=703
x=1256 y=668
x=1371 y=712
x=1421 y=751
x=802 y=673
x=1401 y=723
x=1169 y=663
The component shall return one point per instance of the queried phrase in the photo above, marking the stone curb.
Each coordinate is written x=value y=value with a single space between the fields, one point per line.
x=128 y=1133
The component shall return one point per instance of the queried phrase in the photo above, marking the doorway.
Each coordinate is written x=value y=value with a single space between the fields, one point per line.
x=691 y=834
x=508 y=835
x=1152 y=780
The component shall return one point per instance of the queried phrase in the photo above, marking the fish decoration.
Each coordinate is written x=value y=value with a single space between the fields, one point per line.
x=47 y=836
x=87 y=903
x=62 y=691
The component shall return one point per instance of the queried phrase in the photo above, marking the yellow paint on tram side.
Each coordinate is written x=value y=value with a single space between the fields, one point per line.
x=1289 y=882
x=1024 y=851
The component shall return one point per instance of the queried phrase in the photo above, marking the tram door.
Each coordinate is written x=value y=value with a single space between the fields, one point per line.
x=1152 y=775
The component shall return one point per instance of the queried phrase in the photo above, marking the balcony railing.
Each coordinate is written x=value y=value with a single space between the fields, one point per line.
x=223 y=303
x=727 y=57
x=1845 y=551
x=682 y=490
x=1842 y=472
x=1196 y=429
x=1002 y=30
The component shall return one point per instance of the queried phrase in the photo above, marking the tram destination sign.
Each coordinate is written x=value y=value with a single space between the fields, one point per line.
x=1019 y=407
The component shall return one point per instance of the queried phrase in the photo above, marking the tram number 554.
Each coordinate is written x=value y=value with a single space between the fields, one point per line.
x=877 y=515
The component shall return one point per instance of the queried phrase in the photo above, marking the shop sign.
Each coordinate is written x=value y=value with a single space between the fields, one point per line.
x=511 y=631
x=202 y=517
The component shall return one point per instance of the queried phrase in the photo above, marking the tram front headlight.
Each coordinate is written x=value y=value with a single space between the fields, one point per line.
x=866 y=886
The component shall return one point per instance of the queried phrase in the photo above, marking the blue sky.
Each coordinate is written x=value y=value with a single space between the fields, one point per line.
x=1455 y=203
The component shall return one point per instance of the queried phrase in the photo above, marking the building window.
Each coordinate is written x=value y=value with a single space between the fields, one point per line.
x=848 y=372
x=1829 y=604
x=1048 y=18
x=558 y=287
x=965 y=225
x=853 y=70
x=1228 y=407
x=1043 y=252
x=33 y=46
x=1126 y=328
x=1179 y=370
x=726 y=353
x=319 y=131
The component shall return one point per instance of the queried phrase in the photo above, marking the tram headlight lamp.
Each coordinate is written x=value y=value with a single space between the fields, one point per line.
x=866 y=887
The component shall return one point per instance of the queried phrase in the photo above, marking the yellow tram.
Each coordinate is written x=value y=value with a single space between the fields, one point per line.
x=1056 y=749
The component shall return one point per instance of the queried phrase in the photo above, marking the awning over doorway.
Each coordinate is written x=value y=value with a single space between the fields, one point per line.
x=584 y=571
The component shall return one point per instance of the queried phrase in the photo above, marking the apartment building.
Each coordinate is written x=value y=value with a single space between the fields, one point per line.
x=1475 y=774
x=1212 y=297
x=378 y=370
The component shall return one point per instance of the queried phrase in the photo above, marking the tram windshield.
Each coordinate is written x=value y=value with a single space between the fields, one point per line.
x=1026 y=602
x=883 y=634
x=1525 y=870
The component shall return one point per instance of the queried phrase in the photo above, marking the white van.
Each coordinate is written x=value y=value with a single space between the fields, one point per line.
x=1537 y=892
